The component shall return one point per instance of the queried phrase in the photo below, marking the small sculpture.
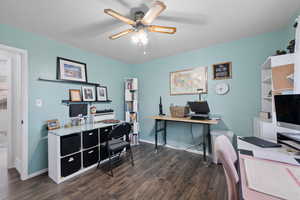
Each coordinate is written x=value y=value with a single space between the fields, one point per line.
x=291 y=47
x=280 y=52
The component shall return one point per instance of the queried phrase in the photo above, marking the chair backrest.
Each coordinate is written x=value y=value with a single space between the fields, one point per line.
x=227 y=156
x=121 y=130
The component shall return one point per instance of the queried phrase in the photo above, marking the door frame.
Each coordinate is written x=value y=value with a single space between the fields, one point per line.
x=24 y=107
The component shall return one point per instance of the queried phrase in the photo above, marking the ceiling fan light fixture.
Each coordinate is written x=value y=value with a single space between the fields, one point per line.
x=140 y=38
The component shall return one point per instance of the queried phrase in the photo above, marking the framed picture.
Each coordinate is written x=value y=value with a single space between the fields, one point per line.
x=101 y=93
x=71 y=70
x=189 y=81
x=75 y=95
x=53 y=124
x=222 y=71
x=88 y=93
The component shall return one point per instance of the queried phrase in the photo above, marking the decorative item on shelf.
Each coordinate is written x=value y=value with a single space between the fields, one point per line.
x=188 y=81
x=265 y=115
x=291 y=47
x=88 y=93
x=179 y=111
x=53 y=124
x=71 y=70
x=75 y=95
x=101 y=93
x=222 y=88
x=93 y=109
x=295 y=24
x=270 y=93
x=222 y=71
x=280 y=52
x=161 y=107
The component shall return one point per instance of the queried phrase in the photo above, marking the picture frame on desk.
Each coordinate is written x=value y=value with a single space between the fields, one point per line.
x=53 y=124
x=71 y=70
x=102 y=93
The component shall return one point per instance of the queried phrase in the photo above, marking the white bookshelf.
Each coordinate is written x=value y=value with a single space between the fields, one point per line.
x=131 y=108
x=261 y=127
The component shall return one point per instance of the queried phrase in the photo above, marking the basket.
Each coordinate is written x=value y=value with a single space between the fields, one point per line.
x=179 y=111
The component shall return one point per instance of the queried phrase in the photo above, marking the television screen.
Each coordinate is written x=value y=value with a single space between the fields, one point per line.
x=288 y=108
x=78 y=109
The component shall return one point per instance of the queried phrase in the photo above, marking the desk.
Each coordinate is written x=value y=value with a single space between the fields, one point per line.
x=164 y=119
x=245 y=192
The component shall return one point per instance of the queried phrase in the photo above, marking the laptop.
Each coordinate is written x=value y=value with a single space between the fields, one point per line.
x=260 y=142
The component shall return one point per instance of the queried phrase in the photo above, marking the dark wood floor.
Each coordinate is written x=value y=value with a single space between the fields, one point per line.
x=170 y=174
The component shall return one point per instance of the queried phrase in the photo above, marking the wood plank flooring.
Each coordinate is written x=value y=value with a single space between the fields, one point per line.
x=170 y=174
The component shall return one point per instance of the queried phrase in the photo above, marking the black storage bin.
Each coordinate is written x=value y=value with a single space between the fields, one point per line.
x=104 y=133
x=103 y=152
x=70 y=144
x=70 y=164
x=90 y=157
x=90 y=138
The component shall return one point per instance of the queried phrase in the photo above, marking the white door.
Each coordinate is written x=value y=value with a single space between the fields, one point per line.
x=10 y=72
x=5 y=108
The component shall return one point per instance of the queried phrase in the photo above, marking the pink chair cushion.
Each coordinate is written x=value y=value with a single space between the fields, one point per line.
x=227 y=156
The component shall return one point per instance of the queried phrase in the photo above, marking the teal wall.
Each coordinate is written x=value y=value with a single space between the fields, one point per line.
x=42 y=63
x=237 y=108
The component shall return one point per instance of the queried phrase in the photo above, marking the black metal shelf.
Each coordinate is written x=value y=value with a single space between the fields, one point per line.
x=84 y=102
x=71 y=82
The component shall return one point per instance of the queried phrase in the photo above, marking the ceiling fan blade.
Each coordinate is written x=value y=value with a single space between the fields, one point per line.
x=162 y=29
x=118 y=35
x=153 y=12
x=119 y=16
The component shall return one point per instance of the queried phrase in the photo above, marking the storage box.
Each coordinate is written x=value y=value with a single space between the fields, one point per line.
x=179 y=111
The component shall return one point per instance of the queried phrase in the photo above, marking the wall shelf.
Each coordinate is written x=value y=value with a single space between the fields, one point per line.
x=71 y=82
x=84 y=102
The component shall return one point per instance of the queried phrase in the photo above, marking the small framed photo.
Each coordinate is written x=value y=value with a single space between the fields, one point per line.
x=88 y=93
x=71 y=70
x=53 y=124
x=222 y=71
x=75 y=95
x=101 y=93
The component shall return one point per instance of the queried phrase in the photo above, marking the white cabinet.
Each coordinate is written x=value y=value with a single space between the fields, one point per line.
x=264 y=129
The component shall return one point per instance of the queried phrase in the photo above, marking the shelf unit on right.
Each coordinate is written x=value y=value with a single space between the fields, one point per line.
x=276 y=78
x=131 y=108
x=273 y=80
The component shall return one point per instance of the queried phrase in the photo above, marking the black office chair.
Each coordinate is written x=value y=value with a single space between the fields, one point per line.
x=116 y=145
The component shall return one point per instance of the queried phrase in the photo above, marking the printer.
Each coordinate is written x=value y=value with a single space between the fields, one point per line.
x=200 y=110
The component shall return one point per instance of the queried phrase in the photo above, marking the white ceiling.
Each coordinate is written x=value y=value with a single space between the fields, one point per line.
x=199 y=23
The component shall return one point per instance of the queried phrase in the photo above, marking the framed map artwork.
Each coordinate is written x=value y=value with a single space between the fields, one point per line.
x=188 y=81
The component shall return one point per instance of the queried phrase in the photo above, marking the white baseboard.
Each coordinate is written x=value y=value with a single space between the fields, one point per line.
x=36 y=173
x=173 y=147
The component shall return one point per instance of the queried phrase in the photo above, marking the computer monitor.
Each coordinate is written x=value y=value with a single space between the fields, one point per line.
x=199 y=107
x=287 y=109
x=78 y=109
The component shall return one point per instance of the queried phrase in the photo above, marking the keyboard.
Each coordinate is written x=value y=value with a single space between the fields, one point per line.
x=260 y=142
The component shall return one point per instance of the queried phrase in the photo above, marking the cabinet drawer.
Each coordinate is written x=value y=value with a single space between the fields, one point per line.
x=90 y=157
x=70 y=164
x=90 y=138
x=104 y=133
x=70 y=144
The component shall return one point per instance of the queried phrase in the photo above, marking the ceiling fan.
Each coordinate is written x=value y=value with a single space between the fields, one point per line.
x=142 y=21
